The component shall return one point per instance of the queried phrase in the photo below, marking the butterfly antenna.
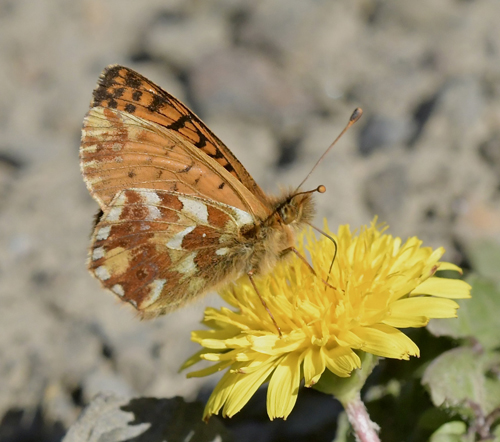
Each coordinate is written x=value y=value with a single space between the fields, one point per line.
x=356 y=115
x=319 y=189
x=334 y=254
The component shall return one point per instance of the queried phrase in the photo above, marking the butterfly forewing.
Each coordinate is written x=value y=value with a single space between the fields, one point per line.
x=121 y=151
x=123 y=89
x=158 y=249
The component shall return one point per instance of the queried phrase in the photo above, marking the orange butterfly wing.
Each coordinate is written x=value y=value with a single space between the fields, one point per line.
x=154 y=169
x=123 y=89
x=158 y=249
x=123 y=151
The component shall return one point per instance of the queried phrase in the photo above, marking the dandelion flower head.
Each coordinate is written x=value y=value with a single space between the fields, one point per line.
x=377 y=285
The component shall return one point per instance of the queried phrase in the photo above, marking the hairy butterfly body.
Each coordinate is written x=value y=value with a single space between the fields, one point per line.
x=180 y=215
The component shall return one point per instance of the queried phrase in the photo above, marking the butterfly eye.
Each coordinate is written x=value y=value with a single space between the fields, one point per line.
x=288 y=213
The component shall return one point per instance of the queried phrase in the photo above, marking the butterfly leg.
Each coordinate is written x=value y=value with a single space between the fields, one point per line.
x=250 y=277
x=304 y=260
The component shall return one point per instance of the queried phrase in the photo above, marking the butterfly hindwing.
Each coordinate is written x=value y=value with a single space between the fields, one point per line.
x=157 y=249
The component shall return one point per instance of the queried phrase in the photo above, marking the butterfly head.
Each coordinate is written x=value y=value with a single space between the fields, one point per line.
x=298 y=207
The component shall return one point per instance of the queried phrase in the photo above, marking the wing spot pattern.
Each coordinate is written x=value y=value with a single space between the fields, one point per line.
x=187 y=168
x=196 y=209
x=155 y=289
x=179 y=123
x=118 y=92
x=97 y=253
x=102 y=273
x=115 y=212
x=151 y=201
x=118 y=290
x=176 y=241
x=131 y=80
x=136 y=95
x=157 y=103
x=187 y=266
x=130 y=108
x=103 y=233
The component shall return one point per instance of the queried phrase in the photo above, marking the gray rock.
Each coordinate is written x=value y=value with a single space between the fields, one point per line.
x=385 y=191
x=379 y=132
x=244 y=84
x=277 y=80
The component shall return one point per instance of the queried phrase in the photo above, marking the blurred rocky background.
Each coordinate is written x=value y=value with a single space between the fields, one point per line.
x=276 y=80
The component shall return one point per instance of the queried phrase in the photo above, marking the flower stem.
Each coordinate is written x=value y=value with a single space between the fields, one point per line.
x=364 y=429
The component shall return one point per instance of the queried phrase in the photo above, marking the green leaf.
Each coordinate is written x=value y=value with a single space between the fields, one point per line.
x=496 y=433
x=458 y=378
x=492 y=386
x=477 y=317
x=455 y=431
x=485 y=259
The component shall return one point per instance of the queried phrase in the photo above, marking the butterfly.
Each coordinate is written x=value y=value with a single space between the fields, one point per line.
x=179 y=214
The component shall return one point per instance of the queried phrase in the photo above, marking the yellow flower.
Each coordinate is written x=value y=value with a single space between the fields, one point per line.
x=376 y=286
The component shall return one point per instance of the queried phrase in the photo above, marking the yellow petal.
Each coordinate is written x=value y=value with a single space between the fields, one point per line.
x=226 y=356
x=443 y=288
x=272 y=344
x=284 y=387
x=449 y=266
x=348 y=338
x=386 y=341
x=416 y=312
x=436 y=255
x=245 y=386
x=209 y=370
x=193 y=359
x=341 y=361
x=220 y=394
x=314 y=365
x=406 y=322
x=234 y=390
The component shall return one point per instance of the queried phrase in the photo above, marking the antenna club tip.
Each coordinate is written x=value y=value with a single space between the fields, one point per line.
x=321 y=189
x=356 y=115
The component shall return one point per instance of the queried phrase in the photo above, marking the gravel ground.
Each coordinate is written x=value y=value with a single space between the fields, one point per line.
x=276 y=80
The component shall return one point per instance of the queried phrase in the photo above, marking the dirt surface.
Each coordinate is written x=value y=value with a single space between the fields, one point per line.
x=276 y=80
